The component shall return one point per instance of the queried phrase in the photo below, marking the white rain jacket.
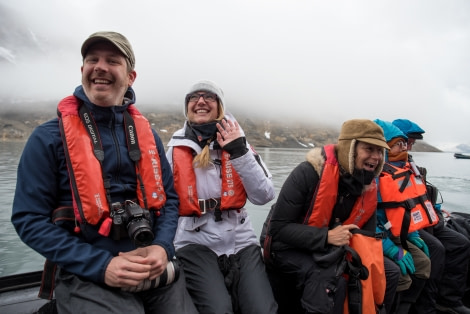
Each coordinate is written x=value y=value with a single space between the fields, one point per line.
x=235 y=231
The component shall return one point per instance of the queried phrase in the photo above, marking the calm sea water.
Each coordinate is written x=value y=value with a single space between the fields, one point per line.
x=451 y=175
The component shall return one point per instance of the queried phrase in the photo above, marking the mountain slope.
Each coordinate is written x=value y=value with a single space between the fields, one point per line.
x=17 y=125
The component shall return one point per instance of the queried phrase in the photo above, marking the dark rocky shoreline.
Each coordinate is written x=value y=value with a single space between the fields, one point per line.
x=16 y=125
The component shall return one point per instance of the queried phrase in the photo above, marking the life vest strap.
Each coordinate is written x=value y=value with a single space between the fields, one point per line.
x=391 y=170
x=267 y=254
x=63 y=213
x=408 y=204
x=404 y=184
x=211 y=204
x=369 y=233
x=46 y=291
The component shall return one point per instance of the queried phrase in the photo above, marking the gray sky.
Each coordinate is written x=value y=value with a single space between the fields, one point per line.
x=316 y=61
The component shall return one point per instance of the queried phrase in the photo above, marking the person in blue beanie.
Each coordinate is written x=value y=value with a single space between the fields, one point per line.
x=446 y=286
x=401 y=211
x=95 y=195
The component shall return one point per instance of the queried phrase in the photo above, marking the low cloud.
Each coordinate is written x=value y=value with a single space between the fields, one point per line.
x=316 y=61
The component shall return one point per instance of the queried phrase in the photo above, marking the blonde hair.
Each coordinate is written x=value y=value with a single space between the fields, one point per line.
x=202 y=160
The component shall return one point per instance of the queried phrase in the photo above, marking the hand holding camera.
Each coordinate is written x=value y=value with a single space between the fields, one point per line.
x=170 y=275
x=131 y=220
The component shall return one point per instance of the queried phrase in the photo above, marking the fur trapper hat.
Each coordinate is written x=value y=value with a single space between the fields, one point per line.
x=362 y=130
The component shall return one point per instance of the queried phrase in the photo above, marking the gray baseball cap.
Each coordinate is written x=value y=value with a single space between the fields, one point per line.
x=118 y=40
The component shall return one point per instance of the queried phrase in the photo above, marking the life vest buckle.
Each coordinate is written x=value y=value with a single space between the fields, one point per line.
x=208 y=204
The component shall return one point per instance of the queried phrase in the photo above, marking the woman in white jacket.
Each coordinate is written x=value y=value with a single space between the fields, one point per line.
x=216 y=171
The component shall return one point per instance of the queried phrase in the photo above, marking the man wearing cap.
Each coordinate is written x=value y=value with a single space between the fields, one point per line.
x=95 y=195
x=321 y=204
x=446 y=287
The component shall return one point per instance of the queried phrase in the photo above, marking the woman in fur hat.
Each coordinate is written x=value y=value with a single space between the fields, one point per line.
x=321 y=203
x=216 y=171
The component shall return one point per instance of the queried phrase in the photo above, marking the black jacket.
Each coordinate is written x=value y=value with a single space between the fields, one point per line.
x=286 y=217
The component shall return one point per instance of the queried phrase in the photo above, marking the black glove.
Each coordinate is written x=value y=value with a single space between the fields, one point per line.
x=236 y=148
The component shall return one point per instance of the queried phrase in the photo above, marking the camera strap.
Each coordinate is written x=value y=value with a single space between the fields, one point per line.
x=134 y=150
x=132 y=146
x=92 y=129
x=132 y=140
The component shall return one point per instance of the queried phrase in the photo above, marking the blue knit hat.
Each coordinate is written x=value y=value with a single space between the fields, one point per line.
x=411 y=129
x=390 y=130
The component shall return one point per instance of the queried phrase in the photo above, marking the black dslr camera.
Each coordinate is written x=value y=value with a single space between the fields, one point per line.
x=135 y=220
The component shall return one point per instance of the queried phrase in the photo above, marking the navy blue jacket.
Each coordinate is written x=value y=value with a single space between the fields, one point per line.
x=43 y=185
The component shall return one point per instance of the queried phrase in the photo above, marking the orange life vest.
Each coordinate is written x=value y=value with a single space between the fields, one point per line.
x=233 y=193
x=90 y=201
x=325 y=196
x=404 y=198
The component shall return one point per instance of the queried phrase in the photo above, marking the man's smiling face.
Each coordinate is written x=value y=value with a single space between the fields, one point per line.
x=105 y=76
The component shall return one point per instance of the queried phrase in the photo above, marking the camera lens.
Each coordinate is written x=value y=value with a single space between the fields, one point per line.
x=140 y=232
x=170 y=275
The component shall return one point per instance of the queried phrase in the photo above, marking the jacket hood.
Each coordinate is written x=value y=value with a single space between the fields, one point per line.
x=316 y=159
x=102 y=114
